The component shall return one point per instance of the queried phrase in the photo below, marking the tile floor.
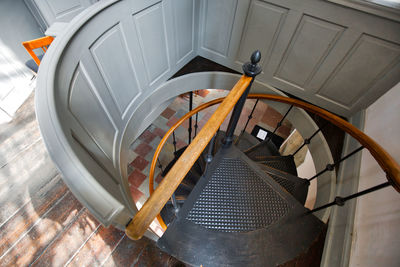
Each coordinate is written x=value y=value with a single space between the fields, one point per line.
x=144 y=147
x=41 y=222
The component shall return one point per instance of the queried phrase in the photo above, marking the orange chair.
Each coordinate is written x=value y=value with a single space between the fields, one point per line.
x=42 y=43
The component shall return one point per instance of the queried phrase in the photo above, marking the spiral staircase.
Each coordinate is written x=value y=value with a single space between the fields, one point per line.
x=224 y=200
x=243 y=210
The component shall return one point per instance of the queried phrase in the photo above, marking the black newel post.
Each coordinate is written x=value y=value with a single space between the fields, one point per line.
x=250 y=69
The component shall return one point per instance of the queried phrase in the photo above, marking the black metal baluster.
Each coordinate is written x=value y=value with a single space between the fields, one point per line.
x=251 y=69
x=279 y=124
x=330 y=167
x=308 y=140
x=174 y=142
x=190 y=118
x=341 y=200
x=250 y=116
x=196 y=125
x=160 y=165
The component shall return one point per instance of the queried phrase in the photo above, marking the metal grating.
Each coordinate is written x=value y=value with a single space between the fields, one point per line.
x=236 y=199
x=284 y=163
x=285 y=183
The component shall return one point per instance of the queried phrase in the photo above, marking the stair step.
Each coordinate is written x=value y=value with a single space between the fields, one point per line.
x=296 y=186
x=237 y=215
x=263 y=149
x=246 y=141
x=282 y=163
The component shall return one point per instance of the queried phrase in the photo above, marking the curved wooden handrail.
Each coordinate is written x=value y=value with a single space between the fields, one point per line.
x=139 y=224
x=387 y=163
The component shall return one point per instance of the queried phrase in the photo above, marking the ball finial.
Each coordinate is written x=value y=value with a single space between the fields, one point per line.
x=255 y=57
x=252 y=68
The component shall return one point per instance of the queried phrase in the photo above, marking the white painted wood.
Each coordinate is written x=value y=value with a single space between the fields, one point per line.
x=107 y=64
x=216 y=21
x=59 y=10
x=336 y=57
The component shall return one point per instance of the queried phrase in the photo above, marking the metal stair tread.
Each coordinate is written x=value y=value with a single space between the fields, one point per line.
x=219 y=238
x=296 y=186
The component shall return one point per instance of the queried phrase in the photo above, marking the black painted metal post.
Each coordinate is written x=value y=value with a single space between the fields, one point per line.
x=341 y=200
x=330 y=167
x=196 y=124
x=190 y=118
x=250 y=116
x=308 y=140
x=250 y=69
x=174 y=142
x=279 y=124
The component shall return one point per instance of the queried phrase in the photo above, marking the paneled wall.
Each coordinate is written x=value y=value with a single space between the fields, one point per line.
x=333 y=56
x=116 y=60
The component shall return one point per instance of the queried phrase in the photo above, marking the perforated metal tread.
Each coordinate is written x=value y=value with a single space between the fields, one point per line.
x=296 y=186
x=236 y=199
x=263 y=149
x=283 y=163
x=273 y=243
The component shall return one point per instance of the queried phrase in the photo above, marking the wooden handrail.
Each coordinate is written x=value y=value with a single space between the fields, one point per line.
x=139 y=224
x=387 y=163
x=164 y=140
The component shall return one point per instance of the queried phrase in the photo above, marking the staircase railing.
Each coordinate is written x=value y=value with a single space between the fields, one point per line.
x=159 y=197
x=392 y=167
x=234 y=100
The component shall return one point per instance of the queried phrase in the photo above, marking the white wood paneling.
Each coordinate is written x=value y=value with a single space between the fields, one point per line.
x=86 y=107
x=307 y=50
x=366 y=63
x=113 y=60
x=150 y=26
x=264 y=22
x=59 y=10
x=304 y=46
x=184 y=15
x=217 y=18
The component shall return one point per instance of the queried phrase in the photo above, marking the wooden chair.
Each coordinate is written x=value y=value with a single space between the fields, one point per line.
x=42 y=43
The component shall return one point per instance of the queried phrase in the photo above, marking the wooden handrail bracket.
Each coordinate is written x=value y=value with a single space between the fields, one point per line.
x=139 y=224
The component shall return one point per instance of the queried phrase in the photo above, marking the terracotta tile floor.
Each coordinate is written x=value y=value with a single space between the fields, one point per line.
x=41 y=222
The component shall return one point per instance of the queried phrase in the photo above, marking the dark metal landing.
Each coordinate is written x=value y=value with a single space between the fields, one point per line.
x=282 y=163
x=296 y=186
x=238 y=216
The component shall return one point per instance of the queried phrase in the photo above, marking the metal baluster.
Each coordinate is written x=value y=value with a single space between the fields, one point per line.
x=174 y=142
x=250 y=116
x=209 y=156
x=279 y=124
x=173 y=198
x=330 y=167
x=190 y=118
x=196 y=125
x=251 y=69
x=341 y=200
x=308 y=140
